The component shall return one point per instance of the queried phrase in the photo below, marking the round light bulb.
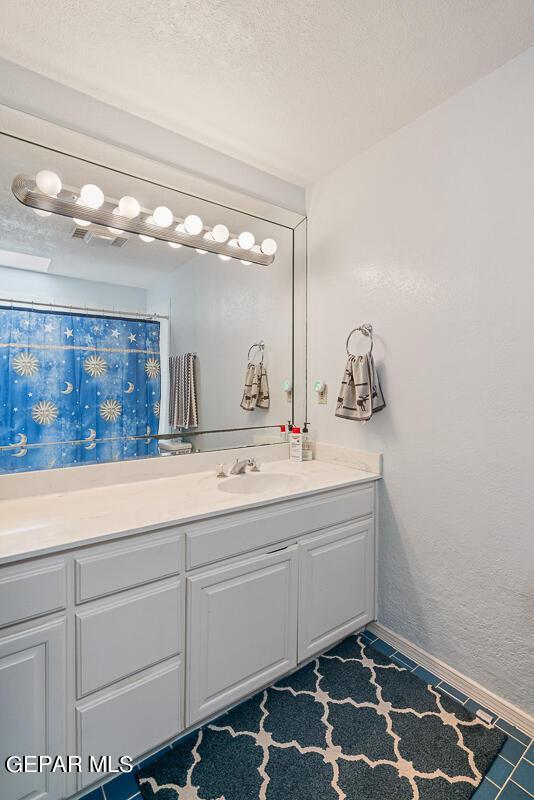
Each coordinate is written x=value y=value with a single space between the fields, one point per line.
x=41 y=213
x=225 y=258
x=246 y=240
x=174 y=245
x=201 y=252
x=115 y=230
x=146 y=238
x=193 y=225
x=91 y=195
x=129 y=207
x=180 y=228
x=209 y=236
x=232 y=243
x=220 y=233
x=163 y=216
x=48 y=182
x=269 y=247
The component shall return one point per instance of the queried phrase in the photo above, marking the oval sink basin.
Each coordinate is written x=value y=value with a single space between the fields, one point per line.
x=259 y=482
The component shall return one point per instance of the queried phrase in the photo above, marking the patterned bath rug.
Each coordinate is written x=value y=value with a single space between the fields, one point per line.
x=350 y=725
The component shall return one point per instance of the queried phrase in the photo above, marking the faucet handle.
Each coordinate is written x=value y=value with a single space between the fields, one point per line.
x=221 y=471
x=254 y=466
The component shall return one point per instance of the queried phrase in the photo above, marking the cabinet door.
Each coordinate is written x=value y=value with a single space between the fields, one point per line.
x=242 y=630
x=336 y=593
x=32 y=708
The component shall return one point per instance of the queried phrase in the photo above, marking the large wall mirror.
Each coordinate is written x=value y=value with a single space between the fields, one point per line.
x=115 y=345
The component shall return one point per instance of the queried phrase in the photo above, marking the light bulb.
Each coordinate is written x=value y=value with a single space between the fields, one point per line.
x=232 y=243
x=115 y=230
x=180 y=228
x=91 y=195
x=129 y=207
x=246 y=263
x=163 y=216
x=193 y=225
x=202 y=252
x=225 y=258
x=48 y=182
x=41 y=213
x=220 y=233
x=209 y=236
x=246 y=240
x=84 y=223
x=269 y=247
x=174 y=245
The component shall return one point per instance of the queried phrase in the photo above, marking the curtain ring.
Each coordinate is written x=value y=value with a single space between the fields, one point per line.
x=367 y=330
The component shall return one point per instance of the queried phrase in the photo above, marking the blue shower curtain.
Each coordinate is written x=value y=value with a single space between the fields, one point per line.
x=76 y=389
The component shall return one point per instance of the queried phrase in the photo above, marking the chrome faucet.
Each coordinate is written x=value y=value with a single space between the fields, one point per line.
x=239 y=466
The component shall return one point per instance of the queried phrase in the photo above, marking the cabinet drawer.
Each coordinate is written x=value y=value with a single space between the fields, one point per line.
x=31 y=590
x=114 y=568
x=116 y=639
x=133 y=719
x=233 y=534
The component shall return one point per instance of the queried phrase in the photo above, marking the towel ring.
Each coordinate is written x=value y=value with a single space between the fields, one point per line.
x=261 y=348
x=367 y=330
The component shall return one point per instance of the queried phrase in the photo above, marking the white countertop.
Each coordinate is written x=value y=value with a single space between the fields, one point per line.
x=32 y=526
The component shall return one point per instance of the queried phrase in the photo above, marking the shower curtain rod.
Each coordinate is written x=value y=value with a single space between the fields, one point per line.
x=85 y=309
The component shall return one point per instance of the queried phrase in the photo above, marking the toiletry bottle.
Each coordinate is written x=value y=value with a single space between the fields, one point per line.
x=295 y=445
x=283 y=433
x=307 y=451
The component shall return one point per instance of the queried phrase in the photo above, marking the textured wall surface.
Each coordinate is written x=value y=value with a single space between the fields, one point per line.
x=429 y=235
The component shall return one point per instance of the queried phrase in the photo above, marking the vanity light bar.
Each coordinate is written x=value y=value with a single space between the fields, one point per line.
x=25 y=190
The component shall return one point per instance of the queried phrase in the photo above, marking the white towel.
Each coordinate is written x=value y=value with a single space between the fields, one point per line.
x=182 y=392
x=256 y=390
x=360 y=395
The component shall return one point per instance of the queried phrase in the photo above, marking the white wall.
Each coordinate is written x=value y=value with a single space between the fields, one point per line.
x=49 y=288
x=430 y=236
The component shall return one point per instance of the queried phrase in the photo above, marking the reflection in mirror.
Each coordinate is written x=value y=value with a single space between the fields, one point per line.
x=118 y=344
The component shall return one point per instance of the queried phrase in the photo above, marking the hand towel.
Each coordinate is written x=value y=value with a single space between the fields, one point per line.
x=256 y=390
x=182 y=392
x=360 y=395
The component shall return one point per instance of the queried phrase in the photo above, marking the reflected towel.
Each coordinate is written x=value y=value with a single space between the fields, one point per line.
x=360 y=395
x=256 y=391
x=182 y=392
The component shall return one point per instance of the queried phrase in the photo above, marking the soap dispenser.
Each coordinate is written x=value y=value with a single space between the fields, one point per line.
x=307 y=448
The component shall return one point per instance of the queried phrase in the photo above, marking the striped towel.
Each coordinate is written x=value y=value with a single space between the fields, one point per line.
x=182 y=392
x=256 y=391
x=360 y=395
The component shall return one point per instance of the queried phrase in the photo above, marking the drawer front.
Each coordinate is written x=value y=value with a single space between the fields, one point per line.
x=240 y=533
x=114 y=568
x=133 y=719
x=31 y=590
x=116 y=639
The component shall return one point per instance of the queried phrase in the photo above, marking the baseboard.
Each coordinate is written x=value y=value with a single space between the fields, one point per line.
x=510 y=713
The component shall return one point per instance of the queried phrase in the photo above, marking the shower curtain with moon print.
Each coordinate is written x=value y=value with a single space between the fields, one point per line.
x=75 y=389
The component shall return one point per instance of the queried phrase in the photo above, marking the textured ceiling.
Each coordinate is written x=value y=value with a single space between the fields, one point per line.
x=292 y=87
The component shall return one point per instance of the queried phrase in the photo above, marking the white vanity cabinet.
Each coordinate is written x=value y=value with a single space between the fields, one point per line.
x=242 y=629
x=115 y=648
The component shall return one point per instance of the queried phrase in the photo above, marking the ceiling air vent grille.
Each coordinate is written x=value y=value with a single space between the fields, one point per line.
x=79 y=233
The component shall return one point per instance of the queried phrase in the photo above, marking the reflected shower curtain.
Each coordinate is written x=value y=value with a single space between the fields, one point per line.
x=76 y=389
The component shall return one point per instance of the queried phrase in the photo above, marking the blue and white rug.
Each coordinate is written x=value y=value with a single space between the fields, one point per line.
x=350 y=725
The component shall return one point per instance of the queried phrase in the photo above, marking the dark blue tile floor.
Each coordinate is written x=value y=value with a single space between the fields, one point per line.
x=511 y=776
